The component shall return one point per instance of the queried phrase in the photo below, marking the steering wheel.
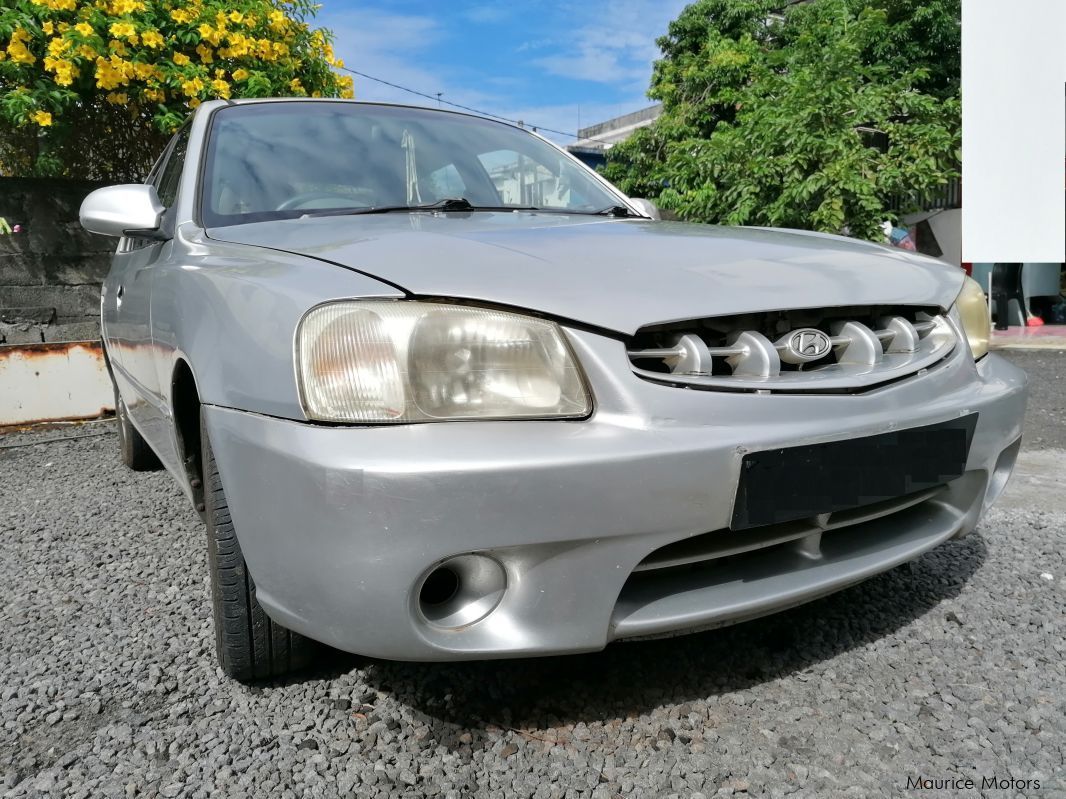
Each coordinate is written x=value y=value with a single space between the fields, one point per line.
x=299 y=200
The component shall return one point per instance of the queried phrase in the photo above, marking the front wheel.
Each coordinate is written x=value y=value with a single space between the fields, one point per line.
x=249 y=644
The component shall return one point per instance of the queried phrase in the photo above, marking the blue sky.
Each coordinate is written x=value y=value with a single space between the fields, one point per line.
x=547 y=62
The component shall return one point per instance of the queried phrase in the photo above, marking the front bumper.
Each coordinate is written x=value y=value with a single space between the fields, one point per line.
x=339 y=526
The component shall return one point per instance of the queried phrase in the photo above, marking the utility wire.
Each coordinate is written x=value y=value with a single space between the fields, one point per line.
x=477 y=111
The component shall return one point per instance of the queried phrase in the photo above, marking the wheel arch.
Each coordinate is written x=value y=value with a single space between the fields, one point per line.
x=185 y=407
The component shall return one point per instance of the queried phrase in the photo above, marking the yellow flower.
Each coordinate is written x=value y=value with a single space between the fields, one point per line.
x=47 y=28
x=155 y=95
x=181 y=59
x=236 y=16
x=63 y=69
x=42 y=118
x=182 y=15
x=86 y=52
x=19 y=54
x=3 y=55
x=117 y=47
x=296 y=86
x=346 y=84
x=194 y=102
x=117 y=98
x=84 y=28
x=193 y=87
x=240 y=74
x=239 y=44
x=222 y=88
x=112 y=73
x=152 y=39
x=57 y=47
x=206 y=55
x=122 y=30
x=209 y=34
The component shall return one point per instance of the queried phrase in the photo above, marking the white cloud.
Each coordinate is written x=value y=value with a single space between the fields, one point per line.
x=393 y=47
x=488 y=13
x=615 y=48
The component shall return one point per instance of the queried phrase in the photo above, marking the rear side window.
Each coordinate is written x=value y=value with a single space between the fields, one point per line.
x=170 y=176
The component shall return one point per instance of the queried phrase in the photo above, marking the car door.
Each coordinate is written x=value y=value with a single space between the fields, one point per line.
x=136 y=264
x=113 y=314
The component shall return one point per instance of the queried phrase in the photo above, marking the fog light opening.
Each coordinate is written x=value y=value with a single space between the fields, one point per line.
x=997 y=481
x=440 y=586
x=461 y=591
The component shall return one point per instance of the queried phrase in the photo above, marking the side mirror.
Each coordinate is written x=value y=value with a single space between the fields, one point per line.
x=118 y=210
x=646 y=207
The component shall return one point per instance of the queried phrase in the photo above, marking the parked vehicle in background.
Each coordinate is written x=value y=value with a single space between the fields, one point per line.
x=439 y=391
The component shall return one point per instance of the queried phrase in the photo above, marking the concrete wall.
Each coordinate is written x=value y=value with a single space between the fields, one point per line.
x=50 y=272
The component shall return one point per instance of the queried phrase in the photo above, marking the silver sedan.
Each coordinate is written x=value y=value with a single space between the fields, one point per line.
x=440 y=391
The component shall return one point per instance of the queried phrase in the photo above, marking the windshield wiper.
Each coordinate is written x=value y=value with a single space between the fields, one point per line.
x=614 y=210
x=447 y=204
x=463 y=204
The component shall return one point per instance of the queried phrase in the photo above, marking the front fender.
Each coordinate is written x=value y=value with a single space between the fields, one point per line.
x=231 y=311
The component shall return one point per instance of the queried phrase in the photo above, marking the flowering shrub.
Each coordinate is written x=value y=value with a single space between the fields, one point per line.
x=92 y=88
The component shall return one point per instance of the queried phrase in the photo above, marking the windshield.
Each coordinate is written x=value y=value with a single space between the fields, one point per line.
x=283 y=160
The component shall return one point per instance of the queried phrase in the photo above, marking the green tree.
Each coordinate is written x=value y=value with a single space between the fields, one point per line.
x=93 y=88
x=818 y=117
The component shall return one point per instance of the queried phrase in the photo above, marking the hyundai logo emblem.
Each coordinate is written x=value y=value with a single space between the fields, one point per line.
x=804 y=345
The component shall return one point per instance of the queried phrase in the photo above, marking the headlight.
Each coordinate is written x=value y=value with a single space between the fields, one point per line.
x=403 y=361
x=973 y=313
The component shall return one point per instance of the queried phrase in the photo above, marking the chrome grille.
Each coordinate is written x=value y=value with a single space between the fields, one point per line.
x=834 y=349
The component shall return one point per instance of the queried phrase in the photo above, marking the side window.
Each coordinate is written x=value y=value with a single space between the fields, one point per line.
x=170 y=175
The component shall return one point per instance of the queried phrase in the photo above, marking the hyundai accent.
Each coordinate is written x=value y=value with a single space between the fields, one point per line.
x=439 y=391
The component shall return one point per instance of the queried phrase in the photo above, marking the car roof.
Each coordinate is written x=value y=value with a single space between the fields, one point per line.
x=215 y=105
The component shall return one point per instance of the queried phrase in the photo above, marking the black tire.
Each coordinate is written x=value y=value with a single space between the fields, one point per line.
x=250 y=645
x=134 y=451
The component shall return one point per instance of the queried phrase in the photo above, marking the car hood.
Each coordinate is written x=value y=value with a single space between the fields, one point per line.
x=610 y=273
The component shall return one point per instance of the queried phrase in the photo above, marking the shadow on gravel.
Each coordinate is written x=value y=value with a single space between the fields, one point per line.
x=631 y=678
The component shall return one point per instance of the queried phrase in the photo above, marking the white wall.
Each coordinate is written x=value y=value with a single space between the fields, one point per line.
x=1014 y=130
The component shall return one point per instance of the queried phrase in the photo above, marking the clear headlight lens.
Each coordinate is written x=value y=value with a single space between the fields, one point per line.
x=402 y=361
x=973 y=313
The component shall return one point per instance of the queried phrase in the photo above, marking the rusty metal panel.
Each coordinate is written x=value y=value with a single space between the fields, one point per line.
x=50 y=382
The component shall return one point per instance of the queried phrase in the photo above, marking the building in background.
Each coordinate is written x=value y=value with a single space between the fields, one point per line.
x=594 y=141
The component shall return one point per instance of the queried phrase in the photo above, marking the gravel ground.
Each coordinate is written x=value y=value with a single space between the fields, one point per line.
x=951 y=667
x=1045 y=418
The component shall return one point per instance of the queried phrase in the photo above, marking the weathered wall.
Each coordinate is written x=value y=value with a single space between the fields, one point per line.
x=50 y=271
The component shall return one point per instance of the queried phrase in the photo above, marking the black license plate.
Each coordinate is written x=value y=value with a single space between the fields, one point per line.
x=782 y=485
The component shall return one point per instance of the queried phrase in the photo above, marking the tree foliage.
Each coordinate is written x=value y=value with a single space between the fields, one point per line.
x=819 y=117
x=93 y=88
